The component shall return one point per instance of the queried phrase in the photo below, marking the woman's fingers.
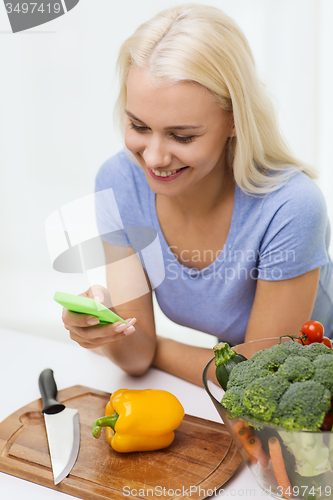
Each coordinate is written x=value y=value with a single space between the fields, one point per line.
x=71 y=318
x=86 y=330
x=96 y=342
x=101 y=335
x=125 y=328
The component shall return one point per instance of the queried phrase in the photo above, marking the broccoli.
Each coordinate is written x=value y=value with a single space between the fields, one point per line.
x=257 y=355
x=297 y=369
x=233 y=401
x=323 y=359
x=293 y=348
x=288 y=385
x=324 y=371
x=244 y=373
x=272 y=358
x=302 y=407
x=261 y=396
x=312 y=351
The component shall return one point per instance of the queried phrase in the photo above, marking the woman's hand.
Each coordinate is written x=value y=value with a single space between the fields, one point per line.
x=86 y=330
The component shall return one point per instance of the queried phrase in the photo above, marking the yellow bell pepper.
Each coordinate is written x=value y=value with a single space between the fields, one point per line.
x=140 y=420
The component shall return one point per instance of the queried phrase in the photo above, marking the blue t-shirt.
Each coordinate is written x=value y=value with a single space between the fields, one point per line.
x=273 y=237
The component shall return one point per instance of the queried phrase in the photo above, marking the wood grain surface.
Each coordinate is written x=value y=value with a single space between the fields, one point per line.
x=201 y=458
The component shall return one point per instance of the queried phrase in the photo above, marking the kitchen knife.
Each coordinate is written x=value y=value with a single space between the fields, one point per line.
x=62 y=428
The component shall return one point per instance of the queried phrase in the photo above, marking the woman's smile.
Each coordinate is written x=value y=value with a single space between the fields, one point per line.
x=163 y=175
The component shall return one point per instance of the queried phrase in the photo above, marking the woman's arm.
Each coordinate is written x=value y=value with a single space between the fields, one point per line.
x=279 y=308
x=143 y=348
x=282 y=307
x=134 y=353
x=137 y=351
x=184 y=361
x=131 y=348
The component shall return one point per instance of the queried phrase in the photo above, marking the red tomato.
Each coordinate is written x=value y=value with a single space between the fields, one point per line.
x=305 y=342
x=313 y=330
x=327 y=342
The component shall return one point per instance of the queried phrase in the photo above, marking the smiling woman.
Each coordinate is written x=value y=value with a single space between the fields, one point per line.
x=200 y=44
x=205 y=166
x=166 y=133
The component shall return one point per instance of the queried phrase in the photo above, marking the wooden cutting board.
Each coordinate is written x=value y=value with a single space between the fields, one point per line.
x=201 y=458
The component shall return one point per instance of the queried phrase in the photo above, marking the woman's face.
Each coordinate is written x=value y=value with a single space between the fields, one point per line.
x=175 y=127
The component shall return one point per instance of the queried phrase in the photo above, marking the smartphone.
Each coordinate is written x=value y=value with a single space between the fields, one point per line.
x=85 y=305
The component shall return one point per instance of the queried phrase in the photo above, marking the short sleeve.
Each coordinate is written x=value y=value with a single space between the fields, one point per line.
x=294 y=240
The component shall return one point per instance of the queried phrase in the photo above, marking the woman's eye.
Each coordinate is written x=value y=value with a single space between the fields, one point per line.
x=178 y=138
x=137 y=128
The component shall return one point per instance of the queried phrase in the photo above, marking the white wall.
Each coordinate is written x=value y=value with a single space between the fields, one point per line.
x=57 y=92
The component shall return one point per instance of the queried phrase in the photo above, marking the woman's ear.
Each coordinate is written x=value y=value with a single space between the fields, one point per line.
x=233 y=134
x=233 y=130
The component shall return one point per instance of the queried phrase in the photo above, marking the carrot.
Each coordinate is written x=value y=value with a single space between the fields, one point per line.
x=244 y=434
x=238 y=425
x=279 y=467
x=254 y=448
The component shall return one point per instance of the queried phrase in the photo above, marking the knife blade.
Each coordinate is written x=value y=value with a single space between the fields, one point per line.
x=62 y=428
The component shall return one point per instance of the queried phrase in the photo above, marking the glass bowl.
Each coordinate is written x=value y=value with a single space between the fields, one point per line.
x=307 y=482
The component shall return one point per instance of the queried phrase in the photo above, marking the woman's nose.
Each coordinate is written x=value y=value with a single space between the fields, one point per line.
x=156 y=154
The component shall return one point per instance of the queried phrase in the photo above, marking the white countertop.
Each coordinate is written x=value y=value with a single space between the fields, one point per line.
x=24 y=356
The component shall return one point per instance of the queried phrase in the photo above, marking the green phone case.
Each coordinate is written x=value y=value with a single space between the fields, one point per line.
x=84 y=305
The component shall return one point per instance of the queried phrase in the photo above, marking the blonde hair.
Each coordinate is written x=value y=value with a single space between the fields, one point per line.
x=199 y=43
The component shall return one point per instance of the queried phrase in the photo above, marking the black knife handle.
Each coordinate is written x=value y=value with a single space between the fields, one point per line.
x=49 y=391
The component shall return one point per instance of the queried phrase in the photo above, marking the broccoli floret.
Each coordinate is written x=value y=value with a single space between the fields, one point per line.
x=261 y=396
x=257 y=355
x=303 y=406
x=233 y=401
x=312 y=351
x=296 y=369
x=324 y=371
x=324 y=359
x=292 y=348
x=244 y=373
x=271 y=358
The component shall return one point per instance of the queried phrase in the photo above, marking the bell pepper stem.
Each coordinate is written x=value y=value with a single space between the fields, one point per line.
x=108 y=421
